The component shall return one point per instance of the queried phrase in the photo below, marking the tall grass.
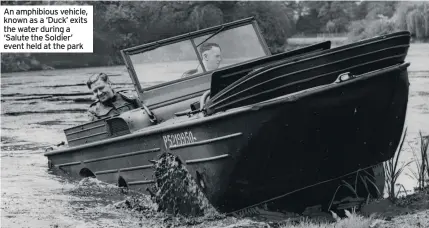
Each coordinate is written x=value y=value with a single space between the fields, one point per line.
x=422 y=164
x=393 y=171
x=363 y=176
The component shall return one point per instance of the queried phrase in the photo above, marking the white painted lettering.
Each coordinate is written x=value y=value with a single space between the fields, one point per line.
x=179 y=139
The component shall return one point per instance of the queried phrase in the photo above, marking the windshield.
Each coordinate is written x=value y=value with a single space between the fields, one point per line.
x=179 y=60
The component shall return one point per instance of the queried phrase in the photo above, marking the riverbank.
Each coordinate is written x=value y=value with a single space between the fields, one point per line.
x=406 y=212
x=411 y=211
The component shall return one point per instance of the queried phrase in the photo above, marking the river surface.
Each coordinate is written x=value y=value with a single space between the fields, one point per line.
x=37 y=106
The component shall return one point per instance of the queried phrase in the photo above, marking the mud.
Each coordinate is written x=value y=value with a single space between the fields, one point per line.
x=176 y=191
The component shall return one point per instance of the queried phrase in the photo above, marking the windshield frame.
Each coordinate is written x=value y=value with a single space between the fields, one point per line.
x=191 y=37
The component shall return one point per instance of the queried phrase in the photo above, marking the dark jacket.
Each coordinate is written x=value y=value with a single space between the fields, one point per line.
x=120 y=103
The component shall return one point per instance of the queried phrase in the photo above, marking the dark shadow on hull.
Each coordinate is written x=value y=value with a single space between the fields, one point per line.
x=85 y=172
x=122 y=183
x=320 y=137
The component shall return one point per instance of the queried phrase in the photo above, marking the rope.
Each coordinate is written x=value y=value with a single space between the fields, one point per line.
x=297 y=190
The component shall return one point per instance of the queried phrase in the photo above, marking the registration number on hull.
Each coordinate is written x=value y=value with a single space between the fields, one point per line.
x=179 y=139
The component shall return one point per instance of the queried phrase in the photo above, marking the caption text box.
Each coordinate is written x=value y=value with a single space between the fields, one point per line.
x=45 y=29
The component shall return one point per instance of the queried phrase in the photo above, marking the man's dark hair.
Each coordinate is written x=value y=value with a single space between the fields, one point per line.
x=95 y=78
x=207 y=46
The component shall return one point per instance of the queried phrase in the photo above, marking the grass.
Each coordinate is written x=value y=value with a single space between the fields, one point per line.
x=410 y=211
x=352 y=220
x=393 y=171
x=422 y=164
x=356 y=221
x=362 y=176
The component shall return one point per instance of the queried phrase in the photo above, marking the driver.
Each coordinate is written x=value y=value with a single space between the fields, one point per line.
x=109 y=102
x=211 y=54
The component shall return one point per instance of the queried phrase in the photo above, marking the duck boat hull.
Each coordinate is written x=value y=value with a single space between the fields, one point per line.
x=281 y=126
x=270 y=149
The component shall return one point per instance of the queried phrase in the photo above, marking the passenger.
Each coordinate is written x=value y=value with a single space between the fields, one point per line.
x=109 y=102
x=211 y=55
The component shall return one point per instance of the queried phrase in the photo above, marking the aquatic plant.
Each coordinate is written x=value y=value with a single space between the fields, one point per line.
x=422 y=164
x=393 y=171
x=364 y=176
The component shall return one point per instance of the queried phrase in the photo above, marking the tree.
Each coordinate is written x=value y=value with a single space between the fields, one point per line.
x=377 y=9
x=414 y=17
x=275 y=22
x=338 y=13
x=122 y=24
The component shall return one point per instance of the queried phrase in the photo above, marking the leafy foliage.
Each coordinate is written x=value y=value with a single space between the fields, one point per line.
x=387 y=17
x=121 y=24
x=413 y=16
x=366 y=29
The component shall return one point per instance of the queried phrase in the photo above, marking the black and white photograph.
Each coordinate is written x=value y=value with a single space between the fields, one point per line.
x=230 y=114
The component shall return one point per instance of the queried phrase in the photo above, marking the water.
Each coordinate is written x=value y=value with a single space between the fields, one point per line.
x=37 y=106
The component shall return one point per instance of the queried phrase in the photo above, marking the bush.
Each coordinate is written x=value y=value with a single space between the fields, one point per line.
x=273 y=18
x=365 y=29
x=411 y=16
x=119 y=25
x=414 y=17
